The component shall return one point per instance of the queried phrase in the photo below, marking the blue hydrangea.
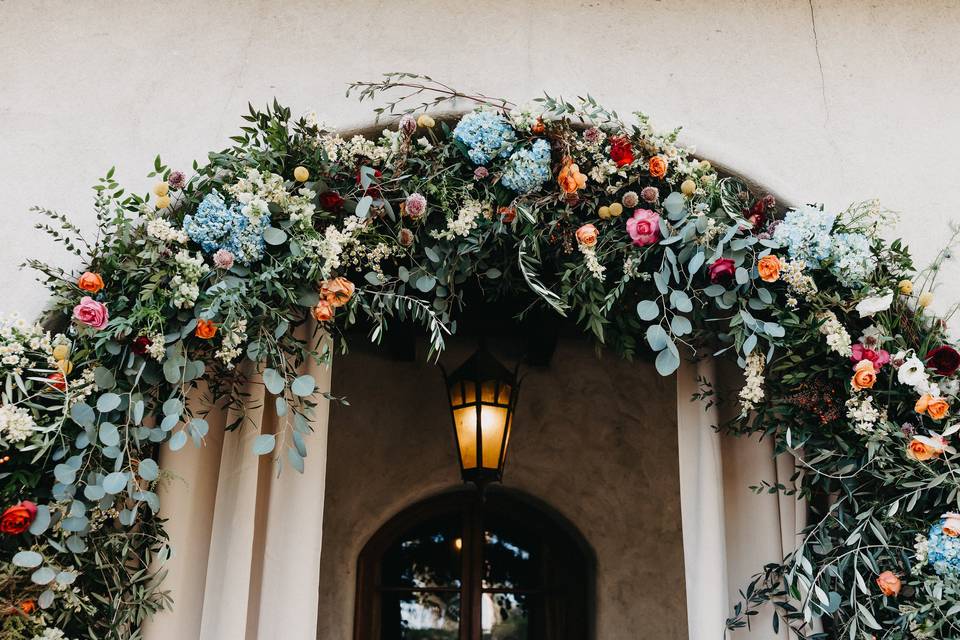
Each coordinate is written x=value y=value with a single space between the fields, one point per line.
x=943 y=551
x=805 y=233
x=527 y=169
x=853 y=262
x=486 y=136
x=215 y=225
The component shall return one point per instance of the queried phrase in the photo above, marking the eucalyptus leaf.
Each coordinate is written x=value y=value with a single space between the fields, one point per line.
x=264 y=444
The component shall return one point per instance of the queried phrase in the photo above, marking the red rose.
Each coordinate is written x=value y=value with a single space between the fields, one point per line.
x=18 y=518
x=620 y=150
x=140 y=345
x=331 y=201
x=57 y=381
x=944 y=360
x=721 y=271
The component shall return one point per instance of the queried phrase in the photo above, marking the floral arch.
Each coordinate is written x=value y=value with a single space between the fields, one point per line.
x=605 y=221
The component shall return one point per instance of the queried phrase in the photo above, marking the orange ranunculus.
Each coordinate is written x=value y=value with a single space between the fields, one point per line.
x=889 y=583
x=322 y=311
x=951 y=524
x=28 y=606
x=570 y=178
x=337 y=292
x=206 y=329
x=90 y=281
x=538 y=127
x=507 y=214
x=658 y=167
x=587 y=235
x=864 y=376
x=934 y=406
x=769 y=268
x=921 y=451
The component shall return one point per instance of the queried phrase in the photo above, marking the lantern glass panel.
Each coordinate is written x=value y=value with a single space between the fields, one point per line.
x=456 y=394
x=504 y=397
x=469 y=392
x=488 y=391
x=493 y=420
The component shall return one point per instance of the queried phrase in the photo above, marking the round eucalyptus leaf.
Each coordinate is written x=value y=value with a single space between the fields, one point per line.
x=115 y=482
x=43 y=575
x=108 y=402
x=648 y=310
x=303 y=385
x=27 y=559
x=148 y=470
x=264 y=444
x=178 y=440
x=273 y=381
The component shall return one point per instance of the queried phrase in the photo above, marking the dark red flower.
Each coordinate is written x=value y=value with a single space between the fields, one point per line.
x=57 y=381
x=18 y=518
x=140 y=345
x=757 y=214
x=620 y=150
x=722 y=271
x=944 y=360
x=331 y=201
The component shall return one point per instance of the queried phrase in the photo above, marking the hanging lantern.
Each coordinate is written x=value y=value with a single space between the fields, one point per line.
x=483 y=396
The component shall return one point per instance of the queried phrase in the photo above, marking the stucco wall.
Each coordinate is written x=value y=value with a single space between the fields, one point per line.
x=825 y=101
x=595 y=439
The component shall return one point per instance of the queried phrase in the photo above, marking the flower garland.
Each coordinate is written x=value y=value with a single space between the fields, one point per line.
x=610 y=223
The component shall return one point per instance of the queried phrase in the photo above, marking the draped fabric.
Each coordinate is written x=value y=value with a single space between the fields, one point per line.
x=245 y=540
x=729 y=531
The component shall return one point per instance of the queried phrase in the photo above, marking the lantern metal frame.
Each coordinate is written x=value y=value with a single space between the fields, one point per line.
x=468 y=379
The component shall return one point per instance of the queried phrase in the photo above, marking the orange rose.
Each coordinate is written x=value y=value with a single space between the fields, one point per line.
x=28 y=606
x=538 y=127
x=323 y=311
x=337 y=292
x=90 y=281
x=570 y=178
x=507 y=214
x=769 y=268
x=658 y=167
x=587 y=235
x=18 y=518
x=921 y=451
x=951 y=524
x=935 y=407
x=864 y=376
x=889 y=583
x=206 y=329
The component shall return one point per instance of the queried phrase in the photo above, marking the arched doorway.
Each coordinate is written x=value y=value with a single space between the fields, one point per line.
x=464 y=567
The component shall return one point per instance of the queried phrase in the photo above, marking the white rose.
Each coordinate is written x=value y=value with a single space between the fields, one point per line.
x=913 y=373
x=875 y=304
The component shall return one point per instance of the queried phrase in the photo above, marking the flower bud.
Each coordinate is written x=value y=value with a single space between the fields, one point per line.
x=301 y=174
x=161 y=189
x=925 y=299
x=425 y=121
x=688 y=187
x=906 y=287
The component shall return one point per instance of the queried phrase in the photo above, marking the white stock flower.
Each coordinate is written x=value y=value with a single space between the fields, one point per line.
x=913 y=374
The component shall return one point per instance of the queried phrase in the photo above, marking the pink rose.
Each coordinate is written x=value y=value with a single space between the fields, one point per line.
x=878 y=357
x=91 y=313
x=721 y=270
x=644 y=227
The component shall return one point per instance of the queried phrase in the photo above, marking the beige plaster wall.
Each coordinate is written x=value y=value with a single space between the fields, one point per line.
x=594 y=438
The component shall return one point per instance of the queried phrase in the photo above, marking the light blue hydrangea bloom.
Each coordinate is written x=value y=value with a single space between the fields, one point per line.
x=853 y=262
x=527 y=169
x=486 y=135
x=805 y=232
x=216 y=225
x=943 y=551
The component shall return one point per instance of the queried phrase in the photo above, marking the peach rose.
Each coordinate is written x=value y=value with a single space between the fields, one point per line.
x=323 y=311
x=889 y=583
x=769 y=268
x=951 y=524
x=658 y=167
x=90 y=281
x=91 y=313
x=922 y=451
x=587 y=235
x=206 y=329
x=570 y=178
x=864 y=376
x=337 y=292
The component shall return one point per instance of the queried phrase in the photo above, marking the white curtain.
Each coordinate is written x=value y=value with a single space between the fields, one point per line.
x=242 y=567
x=729 y=532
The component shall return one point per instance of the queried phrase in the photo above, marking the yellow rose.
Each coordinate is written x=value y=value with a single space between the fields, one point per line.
x=925 y=299
x=425 y=121
x=65 y=367
x=616 y=209
x=163 y=202
x=688 y=187
x=906 y=287
x=604 y=213
x=61 y=352
x=161 y=189
x=300 y=174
